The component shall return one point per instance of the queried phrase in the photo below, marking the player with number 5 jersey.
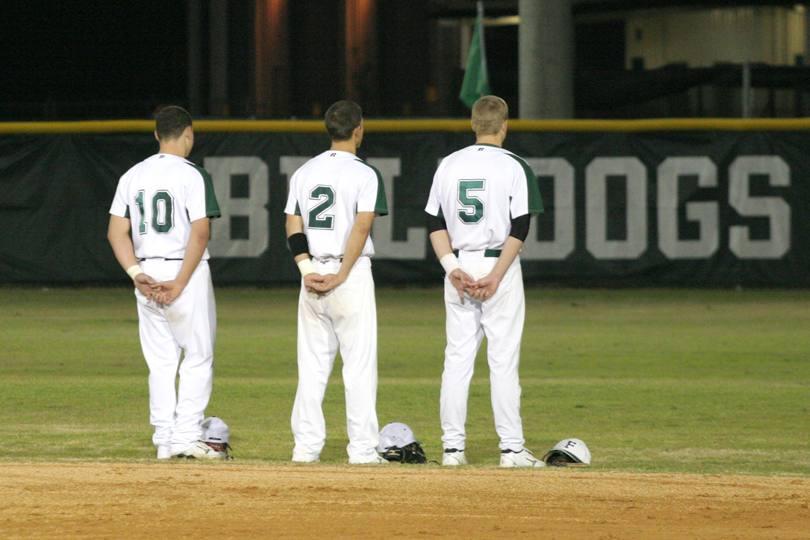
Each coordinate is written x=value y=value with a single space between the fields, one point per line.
x=481 y=203
x=332 y=203
x=159 y=231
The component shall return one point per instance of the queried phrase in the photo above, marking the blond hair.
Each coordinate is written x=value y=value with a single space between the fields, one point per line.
x=488 y=115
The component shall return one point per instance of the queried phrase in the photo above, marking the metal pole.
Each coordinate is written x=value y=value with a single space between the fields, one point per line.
x=194 y=83
x=546 y=59
x=218 y=28
x=746 y=90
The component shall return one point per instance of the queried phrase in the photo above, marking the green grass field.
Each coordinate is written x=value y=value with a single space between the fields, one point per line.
x=676 y=381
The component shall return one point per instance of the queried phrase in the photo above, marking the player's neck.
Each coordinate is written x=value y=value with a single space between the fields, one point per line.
x=345 y=146
x=494 y=140
x=179 y=146
x=175 y=147
x=171 y=153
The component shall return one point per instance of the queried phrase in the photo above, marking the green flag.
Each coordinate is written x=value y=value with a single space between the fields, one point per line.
x=476 y=78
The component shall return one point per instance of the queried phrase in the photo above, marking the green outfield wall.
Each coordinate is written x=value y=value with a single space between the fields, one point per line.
x=673 y=202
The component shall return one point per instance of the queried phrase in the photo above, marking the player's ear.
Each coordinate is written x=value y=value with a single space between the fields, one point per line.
x=188 y=135
x=156 y=136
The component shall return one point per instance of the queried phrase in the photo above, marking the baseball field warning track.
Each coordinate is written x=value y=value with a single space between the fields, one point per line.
x=232 y=500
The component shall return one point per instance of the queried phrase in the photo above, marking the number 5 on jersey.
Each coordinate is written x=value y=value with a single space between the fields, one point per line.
x=473 y=207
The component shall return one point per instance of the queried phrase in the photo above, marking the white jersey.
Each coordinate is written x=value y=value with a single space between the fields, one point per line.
x=327 y=192
x=162 y=195
x=478 y=190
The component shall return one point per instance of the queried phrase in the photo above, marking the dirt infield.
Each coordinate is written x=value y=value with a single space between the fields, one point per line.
x=230 y=500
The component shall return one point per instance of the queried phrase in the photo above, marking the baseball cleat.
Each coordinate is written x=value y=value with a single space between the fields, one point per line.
x=164 y=451
x=376 y=460
x=298 y=459
x=520 y=458
x=305 y=456
x=200 y=450
x=453 y=457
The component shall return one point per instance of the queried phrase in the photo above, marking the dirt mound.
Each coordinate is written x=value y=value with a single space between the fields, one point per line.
x=232 y=500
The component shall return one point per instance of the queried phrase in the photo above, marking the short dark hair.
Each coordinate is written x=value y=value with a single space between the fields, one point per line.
x=488 y=115
x=171 y=122
x=342 y=119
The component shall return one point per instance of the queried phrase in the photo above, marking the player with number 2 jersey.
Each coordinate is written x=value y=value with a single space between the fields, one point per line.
x=332 y=202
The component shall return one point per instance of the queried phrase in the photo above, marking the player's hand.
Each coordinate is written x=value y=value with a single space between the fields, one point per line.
x=167 y=292
x=330 y=281
x=310 y=281
x=461 y=281
x=485 y=288
x=144 y=284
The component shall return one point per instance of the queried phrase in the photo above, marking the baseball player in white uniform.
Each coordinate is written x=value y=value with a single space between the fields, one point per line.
x=481 y=200
x=159 y=230
x=332 y=203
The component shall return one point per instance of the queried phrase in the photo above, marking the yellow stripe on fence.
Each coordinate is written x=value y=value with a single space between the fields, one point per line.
x=397 y=126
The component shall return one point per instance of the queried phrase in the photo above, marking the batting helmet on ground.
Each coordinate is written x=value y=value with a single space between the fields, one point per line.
x=568 y=452
x=397 y=443
x=216 y=434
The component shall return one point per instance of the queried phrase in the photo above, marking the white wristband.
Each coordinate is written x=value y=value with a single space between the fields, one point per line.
x=449 y=263
x=305 y=266
x=134 y=271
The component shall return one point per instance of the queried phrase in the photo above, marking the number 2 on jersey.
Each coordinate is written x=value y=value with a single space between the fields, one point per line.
x=162 y=212
x=473 y=210
x=317 y=218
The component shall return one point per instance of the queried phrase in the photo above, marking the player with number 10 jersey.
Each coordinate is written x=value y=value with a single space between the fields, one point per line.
x=163 y=195
x=159 y=228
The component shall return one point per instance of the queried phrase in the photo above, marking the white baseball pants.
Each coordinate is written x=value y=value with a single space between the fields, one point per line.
x=500 y=319
x=189 y=326
x=344 y=319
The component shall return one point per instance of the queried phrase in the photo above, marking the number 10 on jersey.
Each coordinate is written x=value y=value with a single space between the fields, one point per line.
x=162 y=212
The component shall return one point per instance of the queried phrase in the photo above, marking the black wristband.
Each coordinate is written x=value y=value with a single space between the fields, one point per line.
x=298 y=244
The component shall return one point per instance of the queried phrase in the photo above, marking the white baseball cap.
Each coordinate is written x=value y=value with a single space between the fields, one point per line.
x=215 y=430
x=573 y=448
x=395 y=434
